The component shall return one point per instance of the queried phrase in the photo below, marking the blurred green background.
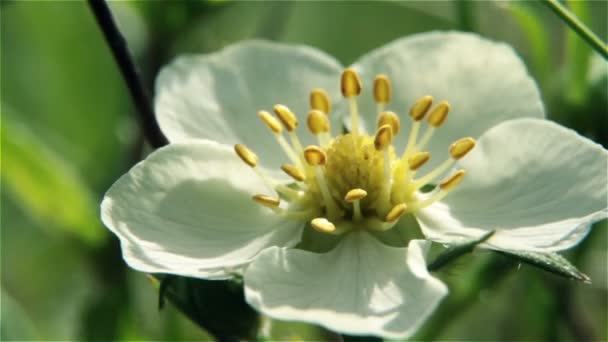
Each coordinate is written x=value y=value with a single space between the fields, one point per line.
x=69 y=131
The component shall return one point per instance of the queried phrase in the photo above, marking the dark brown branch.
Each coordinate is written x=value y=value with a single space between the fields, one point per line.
x=119 y=49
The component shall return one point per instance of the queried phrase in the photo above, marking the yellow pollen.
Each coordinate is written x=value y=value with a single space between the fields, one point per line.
x=439 y=114
x=461 y=147
x=317 y=122
x=382 y=89
x=395 y=213
x=355 y=195
x=267 y=201
x=384 y=137
x=287 y=117
x=314 y=155
x=322 y=225
x=350 y=83
x=419 y=109
x=450 y=182
x=271 y=121
x=390 y=118
x=319 y=100
x=293 y=172
x=246 y=155
x=416 y=160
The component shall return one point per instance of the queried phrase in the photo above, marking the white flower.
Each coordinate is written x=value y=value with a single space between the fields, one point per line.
x=188 y=210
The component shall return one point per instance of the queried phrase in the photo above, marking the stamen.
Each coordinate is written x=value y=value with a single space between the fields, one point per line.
x=271 y=122
x=439 y=114
x=382 y=91
x=384 y=137
x=350 y=83
x=461 y=147
x=382 y=141
x=417 y=113
x=453 y=180
x=316 y=157
x=290 y=121
x=355 y=196
x=421 y=107
x=318 y=124
x=246 y=155
x=267 y=201
x=293 y=172
x=445 y=187
x=437 y=117
x=417 y=159
x=457 y=150
x=351 y=88
x=390 y=118
x=275 y=126
x=287 y=117
x=322 y=225
x=395 y=213
x=319 y=100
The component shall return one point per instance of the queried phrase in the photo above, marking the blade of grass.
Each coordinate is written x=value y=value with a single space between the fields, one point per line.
x=579 y=27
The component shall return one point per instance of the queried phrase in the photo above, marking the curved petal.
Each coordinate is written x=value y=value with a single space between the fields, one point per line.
x=538 y=184
x=361 y=287
x=217 y=96
x=187 y=210
x=484 y=81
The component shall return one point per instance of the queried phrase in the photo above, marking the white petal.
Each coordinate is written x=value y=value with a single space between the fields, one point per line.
x=217 y=96
x=362 y=287
x=538 y=184
x=187 y=210
x=484 y=81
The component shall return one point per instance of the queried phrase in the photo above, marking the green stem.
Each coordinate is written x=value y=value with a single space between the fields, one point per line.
x=466 y=16
x=578 y=26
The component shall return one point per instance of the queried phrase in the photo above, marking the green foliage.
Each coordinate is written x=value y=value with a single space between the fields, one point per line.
x=550 y=262
x=46 y=186
x=68 y=132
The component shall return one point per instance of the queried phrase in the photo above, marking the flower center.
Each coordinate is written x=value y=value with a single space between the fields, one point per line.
x=356 y=180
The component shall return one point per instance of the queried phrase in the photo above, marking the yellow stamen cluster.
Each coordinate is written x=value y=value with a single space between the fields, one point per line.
x=356 y=180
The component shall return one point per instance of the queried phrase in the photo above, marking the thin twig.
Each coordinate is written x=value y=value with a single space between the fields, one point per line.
x=579 y=27
x=119 y=49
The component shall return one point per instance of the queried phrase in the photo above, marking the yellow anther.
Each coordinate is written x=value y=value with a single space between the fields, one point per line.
x=461 y=147
x=355 y=195
x=323 y=225
x=350 y=83
x=390 y=118
x=453 y=180
x=293 y=172
x=270 y=121
x=314 y=155
x=318 y=122
x=384 y=137
x=439 y=114
x=395 y=213
x=416 y=160
x=382 y=89
x=287 y=117
x=419 y=109
x=319 y=100
x=246 y=155
x=267 y=201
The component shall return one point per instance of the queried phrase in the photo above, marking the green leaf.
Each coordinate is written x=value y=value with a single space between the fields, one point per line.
x=217 y=306
x=456 y=251
x=16 y=323
x=536 y=34
x=578 y=57
x=550 y=262
x=45 y=185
